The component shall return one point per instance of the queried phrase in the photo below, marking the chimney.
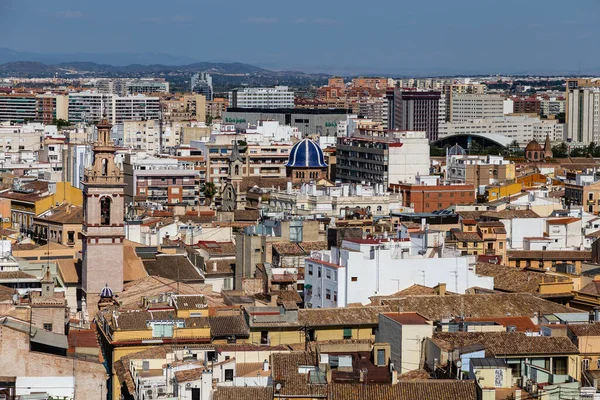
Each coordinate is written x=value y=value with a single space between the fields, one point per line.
x=440 y=289
x=266 y=365
x=214 y=268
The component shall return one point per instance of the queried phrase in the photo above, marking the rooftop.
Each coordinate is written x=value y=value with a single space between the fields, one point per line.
x=436 y=308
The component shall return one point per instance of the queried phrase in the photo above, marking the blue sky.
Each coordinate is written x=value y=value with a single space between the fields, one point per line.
x=321 y=35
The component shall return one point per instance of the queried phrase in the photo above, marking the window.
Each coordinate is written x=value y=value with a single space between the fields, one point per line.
x=500 y=245
x=48 y=327
x=162 y=329
x=354 y=279
x=328 y=294
x=347 y=333
x=335 y=297
x=310 y=269
x=328 y=273
x=105 y=211
x=559 y=366
x=228 y=375
x=104 y=167
x=318 y=272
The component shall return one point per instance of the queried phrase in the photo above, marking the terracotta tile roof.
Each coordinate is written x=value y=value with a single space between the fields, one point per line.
x=172 y=266
x=313 y=246
x=189 y=302
x=285 y=369
x=217 y=248
x=137 y=320
x=223 y=267
x=64 y=214
x=416 y=374
x=437 y=389
x=551 y=255
x=133 y=267
x=224 y=326
x=499 y=344
x=83 y=338
x=133 y=292
x=511 y=279
x=407 y=318
x=491 y=224
x=39 y=190
x=341 y=316
x=246 y=215
x=508 y=214
x=416 y=290
x=436 y=308
x=250 y=369
x=288 y=249
x=15 y=275
x=563 y=221
x=70 y=270
x=243 y=393
x=187 y=375
x=467 y=236
x=522 y=324
x=6 y=293
x=585 y=329
x=591 y=288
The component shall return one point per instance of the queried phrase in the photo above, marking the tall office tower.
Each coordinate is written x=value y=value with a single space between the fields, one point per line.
x=414 y=111
x=201 y=83
x=583 y=110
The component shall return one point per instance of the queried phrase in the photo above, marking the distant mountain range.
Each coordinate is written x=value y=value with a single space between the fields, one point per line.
x=15 y=63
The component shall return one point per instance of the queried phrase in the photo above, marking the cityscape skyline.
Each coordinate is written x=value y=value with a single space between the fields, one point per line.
x=472 y=38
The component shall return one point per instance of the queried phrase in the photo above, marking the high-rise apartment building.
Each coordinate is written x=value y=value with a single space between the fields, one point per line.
x=415 y=111
x=449 y=90
x=467 y=107
x=382 y=157
x=529 y=105
x=275 y=97
x=184 y=108
x=16 y=107
x=583 y=110
x=89 y=107
x=375 y=109
x=125 y=86
x=202 y=83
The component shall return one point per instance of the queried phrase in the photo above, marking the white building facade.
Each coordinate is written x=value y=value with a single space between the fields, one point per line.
x=276 y=97
x=363 y=268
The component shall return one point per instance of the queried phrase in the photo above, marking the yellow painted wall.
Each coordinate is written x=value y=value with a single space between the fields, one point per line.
x=200 y=333
x=498 y=192
x=297 y=336
x=186 y=313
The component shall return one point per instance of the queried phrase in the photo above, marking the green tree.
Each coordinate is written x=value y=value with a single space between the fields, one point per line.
x=209 y=191
x=560 y=150
x=560 y=117
x=60 y=123
x=435 y=151
x=475 y=148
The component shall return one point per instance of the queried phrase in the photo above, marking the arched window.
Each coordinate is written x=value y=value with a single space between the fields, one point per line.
x=236 y=170
x=105 y=211
x=104 y=167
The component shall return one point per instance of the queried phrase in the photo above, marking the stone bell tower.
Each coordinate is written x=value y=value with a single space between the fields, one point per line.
x=103 y=228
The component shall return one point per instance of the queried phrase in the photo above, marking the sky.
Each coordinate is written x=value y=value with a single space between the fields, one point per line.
x=376 y=36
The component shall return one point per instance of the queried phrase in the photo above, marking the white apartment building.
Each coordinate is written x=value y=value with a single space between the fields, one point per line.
x=467 y=107
x=523 y=129
x=275 y=97
x=271 y=131
x=363 y=268
x=90 y=106
x=552 y=105
x=334 y=201
x=584 y=115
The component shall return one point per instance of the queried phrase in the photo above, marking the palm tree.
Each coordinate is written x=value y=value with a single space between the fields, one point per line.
x=209 y=191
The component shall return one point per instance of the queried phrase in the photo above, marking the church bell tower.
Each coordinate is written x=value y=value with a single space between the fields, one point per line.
x=103 y=228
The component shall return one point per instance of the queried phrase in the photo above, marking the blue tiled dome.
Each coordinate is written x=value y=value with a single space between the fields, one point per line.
x=306 y=154
x=106 y=292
